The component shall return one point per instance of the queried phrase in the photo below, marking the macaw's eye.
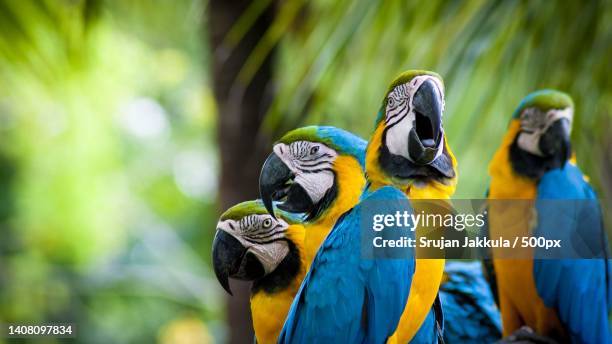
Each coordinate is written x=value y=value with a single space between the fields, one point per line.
x=314 y=150
x=267 y=223
x=391 y=102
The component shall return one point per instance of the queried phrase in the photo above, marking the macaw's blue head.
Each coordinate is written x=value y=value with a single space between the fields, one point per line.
x=309 y=167
x=542 y=124
x=250 y=245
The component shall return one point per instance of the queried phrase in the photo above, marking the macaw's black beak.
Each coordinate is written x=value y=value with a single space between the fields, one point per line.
x=425 y=137
x=231 y=259
x=275 y=184
x=555 y=142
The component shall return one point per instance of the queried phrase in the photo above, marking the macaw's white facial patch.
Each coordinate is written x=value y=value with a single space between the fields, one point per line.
x=261 y=235
x=534 y=124
x=316 y=184
x=311 y=163
x=400 y=116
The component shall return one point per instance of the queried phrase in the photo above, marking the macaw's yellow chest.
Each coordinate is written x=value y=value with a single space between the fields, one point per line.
x=428 y=272
x=519 y=301
x=269 y=312
x=511 y=213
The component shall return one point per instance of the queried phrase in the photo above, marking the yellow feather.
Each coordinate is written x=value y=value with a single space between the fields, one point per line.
x=351 y=181
x=505 y=184
x=519 y=302
x=375 y=175
x=428 y=272
x=270 y=310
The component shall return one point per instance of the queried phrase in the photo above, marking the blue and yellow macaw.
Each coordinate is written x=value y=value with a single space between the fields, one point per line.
x=565 y=299
x=409 y=150
x=470 y=312
x=252 y=245
x=317 y=171
x=347 y=298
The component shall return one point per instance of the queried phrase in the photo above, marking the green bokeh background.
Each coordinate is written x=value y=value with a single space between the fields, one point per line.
x=108 y=141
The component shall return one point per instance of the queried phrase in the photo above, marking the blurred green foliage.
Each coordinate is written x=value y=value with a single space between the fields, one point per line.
x=108 y=168
x=107 y=151
x=338 y=58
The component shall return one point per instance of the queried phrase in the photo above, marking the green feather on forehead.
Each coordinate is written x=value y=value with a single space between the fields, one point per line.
x=338 y=139
x=256 y=207
x=402 y=79
x=409 y=75
x=301 y=134
x=544 y=100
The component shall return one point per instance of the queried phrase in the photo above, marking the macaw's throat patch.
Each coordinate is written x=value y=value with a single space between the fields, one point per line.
x=298 y=201
x=533 y=166
x=283 y=275
x=250 y=268
x=295 y=199
x=399 y=167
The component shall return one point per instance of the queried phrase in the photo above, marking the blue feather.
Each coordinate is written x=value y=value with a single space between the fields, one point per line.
x=346 y=298
x=579 y=289
x=345 y=142
x=427 y=332
x=470 y=312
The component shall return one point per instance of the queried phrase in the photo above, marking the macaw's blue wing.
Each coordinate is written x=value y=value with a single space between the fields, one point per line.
x=470 y=312
x=487 y=263
x=346 y=297
x=579 y=289
x=431 y=331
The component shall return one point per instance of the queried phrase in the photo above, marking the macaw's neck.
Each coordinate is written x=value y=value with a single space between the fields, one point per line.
x=505 y=182
x=376 y=176
x=271 y=296
x=349 y=183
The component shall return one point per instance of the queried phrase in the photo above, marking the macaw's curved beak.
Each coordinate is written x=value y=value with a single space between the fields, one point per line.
x=425 y=138
x=555 y=142
x=231 y=259
x=276 y=183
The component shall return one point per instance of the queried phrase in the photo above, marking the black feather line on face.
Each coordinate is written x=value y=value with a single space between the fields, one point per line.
x=297 y=201
x=316 y=170
x=262 y=242
x=263 y=238
x=330 y=195
x=398 y=166
x=398 y=114
x=533 y=166
x=283 y=275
